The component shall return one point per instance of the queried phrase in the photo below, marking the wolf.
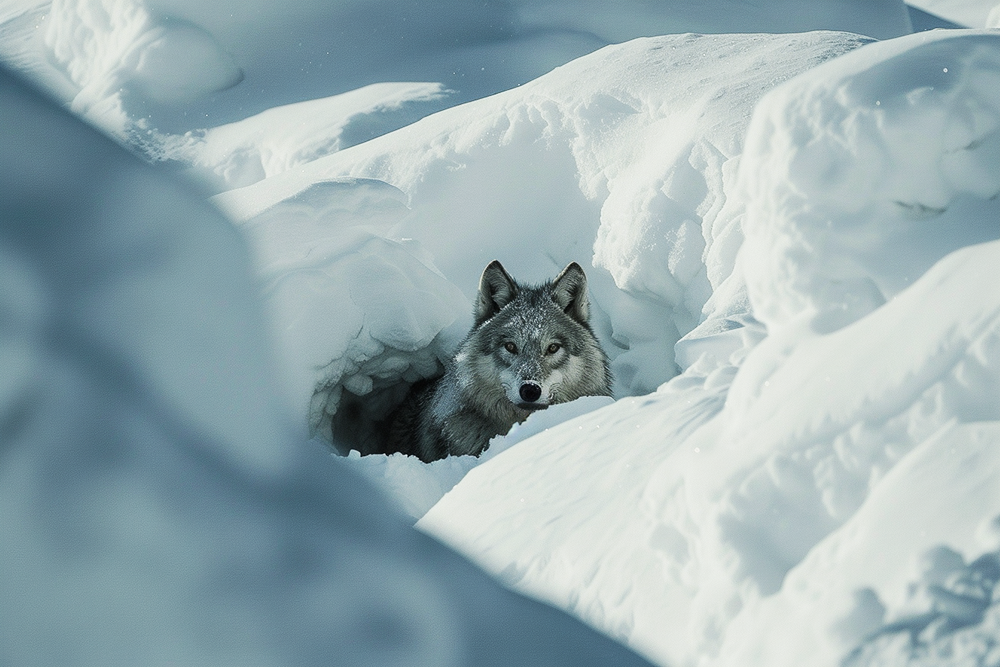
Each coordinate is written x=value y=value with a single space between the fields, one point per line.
x=530 y=347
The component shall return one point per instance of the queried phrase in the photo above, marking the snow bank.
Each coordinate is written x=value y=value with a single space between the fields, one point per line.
x=417 y=486
x=899 y=170
x=114 y=51
x=156 y=506
x=620 y=160
x=238 y=154
x=769 y=507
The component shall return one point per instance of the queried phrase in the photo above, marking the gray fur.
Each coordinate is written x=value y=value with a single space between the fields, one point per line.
x=529 y=347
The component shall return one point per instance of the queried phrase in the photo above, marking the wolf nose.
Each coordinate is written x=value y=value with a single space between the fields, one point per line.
x=530 y=392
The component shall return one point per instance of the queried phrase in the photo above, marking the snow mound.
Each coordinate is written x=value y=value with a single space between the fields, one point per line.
x=965 y=13
x=602 y=158
x=238 y=154
x=416 y=486
x=764 y=503
x=114 y=51
x=899 y=168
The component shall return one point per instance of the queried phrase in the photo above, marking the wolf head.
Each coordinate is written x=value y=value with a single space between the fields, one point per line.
x=531 y=346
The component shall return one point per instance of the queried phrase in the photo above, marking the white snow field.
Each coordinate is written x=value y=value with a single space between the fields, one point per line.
x=792 y=239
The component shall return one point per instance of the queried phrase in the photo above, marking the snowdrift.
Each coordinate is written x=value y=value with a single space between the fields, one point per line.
x=603 y=161
x=156 y=504
x=833 y=495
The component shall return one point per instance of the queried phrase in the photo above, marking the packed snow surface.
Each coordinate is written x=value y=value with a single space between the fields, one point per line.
x=791 y=245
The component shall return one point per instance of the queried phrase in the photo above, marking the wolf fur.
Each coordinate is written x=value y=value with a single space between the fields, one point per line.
x=530 y=347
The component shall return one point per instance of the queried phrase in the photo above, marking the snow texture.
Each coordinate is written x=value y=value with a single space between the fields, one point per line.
x=171 y=65
x=620 y=169
x=781 y=501
x=791 y=241
x=157 y=506
x=279 y=139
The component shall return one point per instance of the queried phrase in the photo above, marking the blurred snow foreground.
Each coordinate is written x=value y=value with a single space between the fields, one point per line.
x=813 y=476
x=156 y=507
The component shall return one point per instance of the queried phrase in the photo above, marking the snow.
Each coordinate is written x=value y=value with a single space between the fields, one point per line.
x=790 y=234
x=172 y=64
x=966 y=13
x=158 y=505
x=241 y=153
x=740 y=525
x=842 y=219
x=608 y=162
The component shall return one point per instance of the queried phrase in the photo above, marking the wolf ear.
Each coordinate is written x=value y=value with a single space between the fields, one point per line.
x=496 y=290
x=569 y=291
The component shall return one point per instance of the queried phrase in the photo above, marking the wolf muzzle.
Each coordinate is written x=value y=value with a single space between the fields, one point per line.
x=529 y=393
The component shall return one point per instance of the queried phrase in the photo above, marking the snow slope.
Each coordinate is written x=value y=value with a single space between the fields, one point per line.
x=276 y=140
x=156 y=504
x=773 y=513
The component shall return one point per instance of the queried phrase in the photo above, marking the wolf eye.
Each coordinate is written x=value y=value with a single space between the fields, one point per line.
x=553 y=348
x=510 y=347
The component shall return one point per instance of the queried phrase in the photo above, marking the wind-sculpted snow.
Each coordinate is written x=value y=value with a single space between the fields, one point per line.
x=156 y=505
x=238 y=154
x=776 y=522
x=586 y=162
x=171 y=65
x=900 y=167
x=119 y=50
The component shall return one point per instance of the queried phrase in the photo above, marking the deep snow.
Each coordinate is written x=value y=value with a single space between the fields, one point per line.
x=782 y=503
x=157 y=506
x=585 y=160
x=801 y=308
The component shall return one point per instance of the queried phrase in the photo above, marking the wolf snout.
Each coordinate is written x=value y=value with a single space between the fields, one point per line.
x=530 y=392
